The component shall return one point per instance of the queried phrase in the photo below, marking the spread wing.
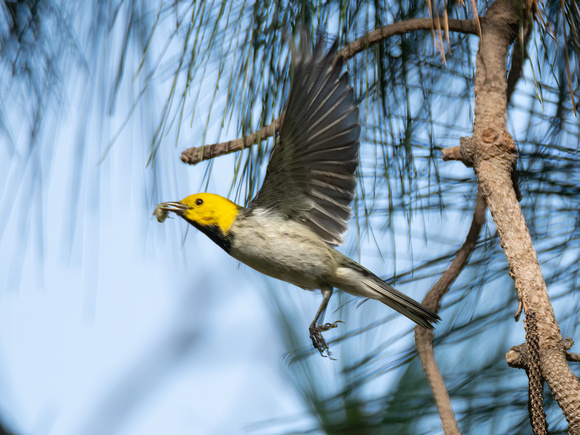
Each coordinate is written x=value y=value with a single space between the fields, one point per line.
x=310 y=176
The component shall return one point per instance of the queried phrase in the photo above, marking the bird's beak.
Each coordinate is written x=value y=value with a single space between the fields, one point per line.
x=175 y=206
x=164 y=208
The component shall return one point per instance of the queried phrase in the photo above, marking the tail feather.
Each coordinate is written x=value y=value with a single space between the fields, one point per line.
x=355 y=279
x=402 y=303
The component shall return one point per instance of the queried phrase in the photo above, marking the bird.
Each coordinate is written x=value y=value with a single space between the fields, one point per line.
x=289 y=230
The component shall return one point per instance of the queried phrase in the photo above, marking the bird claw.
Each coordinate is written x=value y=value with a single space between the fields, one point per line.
x=328 y=326
x=318 y=340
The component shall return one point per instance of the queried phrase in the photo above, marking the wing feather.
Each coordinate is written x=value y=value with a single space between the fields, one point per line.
x=310 y=177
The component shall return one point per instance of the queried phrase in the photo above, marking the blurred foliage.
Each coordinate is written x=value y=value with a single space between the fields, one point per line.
x=225 y=66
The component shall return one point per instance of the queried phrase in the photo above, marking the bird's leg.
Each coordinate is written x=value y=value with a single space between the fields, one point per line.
x=317 y=327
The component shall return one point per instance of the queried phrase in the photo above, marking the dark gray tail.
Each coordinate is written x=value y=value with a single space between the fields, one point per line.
x=404 y=304
x=362 y=282
x=392 y=297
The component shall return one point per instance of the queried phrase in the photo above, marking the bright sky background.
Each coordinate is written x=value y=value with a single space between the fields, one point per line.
x=129 y=309
x=136 y=331
x=109 y=321
x=124 y=326
x=113 y=323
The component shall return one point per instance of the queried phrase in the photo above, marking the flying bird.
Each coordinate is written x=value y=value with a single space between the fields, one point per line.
x=289 y=230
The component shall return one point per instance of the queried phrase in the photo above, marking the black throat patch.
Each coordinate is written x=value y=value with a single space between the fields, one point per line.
x=215 y=233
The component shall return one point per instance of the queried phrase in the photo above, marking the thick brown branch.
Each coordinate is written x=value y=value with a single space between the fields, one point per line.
x=493 y=153
x=196 y=155
x=432 y=301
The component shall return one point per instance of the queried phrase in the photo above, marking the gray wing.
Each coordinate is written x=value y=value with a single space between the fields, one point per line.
x=310 y=176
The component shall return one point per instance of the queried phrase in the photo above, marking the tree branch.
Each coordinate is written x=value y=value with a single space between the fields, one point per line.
x=400 y=28
x=526 y=356
x=458 y=153
x=432 y=301
x=535 y=380
x=518 y=357
x=492 y=152
x=520 y=54
x=196 y=155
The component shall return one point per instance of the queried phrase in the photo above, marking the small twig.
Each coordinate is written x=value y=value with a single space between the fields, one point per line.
x=432 y=301
x=460 y=153
x=463 y=153
x=518 y=356
x=568 y=343
x=452 y=153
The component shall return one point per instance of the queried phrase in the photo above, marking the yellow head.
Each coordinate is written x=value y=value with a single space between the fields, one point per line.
x=209 y=213
x=207 y=209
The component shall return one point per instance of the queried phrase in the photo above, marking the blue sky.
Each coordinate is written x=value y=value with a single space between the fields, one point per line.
x=109 y=321
x=134 y=327
x=113 y=323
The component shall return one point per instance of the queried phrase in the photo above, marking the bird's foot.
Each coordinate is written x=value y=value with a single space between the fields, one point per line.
x=318 y=340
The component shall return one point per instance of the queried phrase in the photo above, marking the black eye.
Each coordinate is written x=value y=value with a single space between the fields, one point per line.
x=198 y=201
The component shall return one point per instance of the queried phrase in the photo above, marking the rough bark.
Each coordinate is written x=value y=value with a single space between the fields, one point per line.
x=492 y=153
x=535 y=380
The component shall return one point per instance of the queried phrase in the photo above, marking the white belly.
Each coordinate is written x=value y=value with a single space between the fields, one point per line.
x=283 y=249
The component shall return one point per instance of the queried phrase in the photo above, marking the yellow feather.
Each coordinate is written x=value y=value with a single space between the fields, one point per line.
x=208 y=209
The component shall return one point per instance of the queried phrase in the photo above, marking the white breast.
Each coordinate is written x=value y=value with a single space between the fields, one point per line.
x=282 y=248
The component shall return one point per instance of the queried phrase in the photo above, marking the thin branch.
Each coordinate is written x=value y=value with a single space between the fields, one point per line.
x=520 y=54
x=400 y=28
x=432 y=301
x=196 y=155
x=567 y=56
